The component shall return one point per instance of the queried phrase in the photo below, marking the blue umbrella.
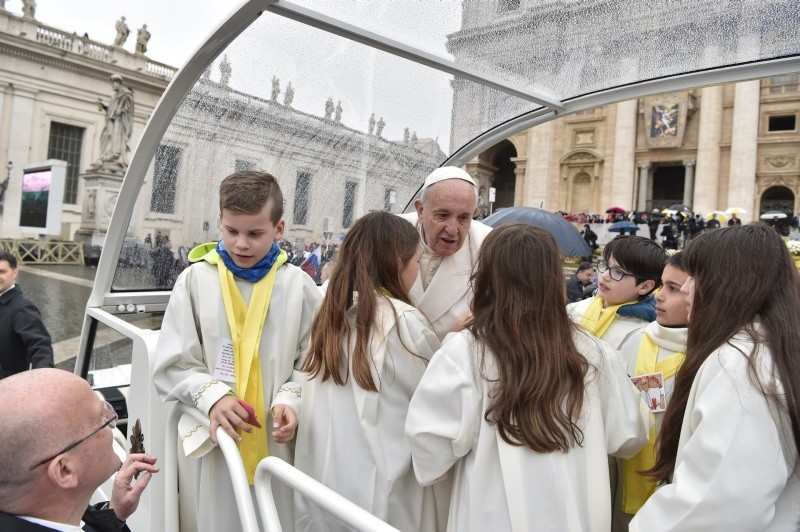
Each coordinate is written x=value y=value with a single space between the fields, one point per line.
x=619 y=227
x=569 y=240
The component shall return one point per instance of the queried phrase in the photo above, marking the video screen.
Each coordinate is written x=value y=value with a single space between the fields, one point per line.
x=35 y=197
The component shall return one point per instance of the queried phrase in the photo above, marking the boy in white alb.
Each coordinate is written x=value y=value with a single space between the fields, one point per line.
x=654 y=353
x=231 y=345
x=628 y=274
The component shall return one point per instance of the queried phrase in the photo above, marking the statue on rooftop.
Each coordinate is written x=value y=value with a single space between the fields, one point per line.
x=371 y=124
x=328 y=109
x=142 y=36
x=379 y=127
x=224 y=71
x=122 y=32
x=276 y=89
x=289 y=95
x=338 y=117
x=29 y=8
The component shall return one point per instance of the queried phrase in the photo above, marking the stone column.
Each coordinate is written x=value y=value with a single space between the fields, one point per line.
x=644 y=170
x=706 y=188
x=20 y=125
x=539 y=157
x=623 y=163
x=744 y=142
x=520 y=164
x=688 y=183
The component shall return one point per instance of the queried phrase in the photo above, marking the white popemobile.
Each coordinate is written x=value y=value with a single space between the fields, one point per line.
x=446 y=69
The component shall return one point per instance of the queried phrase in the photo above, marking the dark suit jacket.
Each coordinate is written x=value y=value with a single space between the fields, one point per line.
x=23 y=336
x=96 y=521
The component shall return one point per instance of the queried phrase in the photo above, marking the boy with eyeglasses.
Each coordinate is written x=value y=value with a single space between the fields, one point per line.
x=629 y=272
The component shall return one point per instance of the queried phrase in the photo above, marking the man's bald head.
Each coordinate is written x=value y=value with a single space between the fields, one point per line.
x=41 y=411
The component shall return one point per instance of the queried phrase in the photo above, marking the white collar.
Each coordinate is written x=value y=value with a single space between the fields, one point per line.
x=9 y=288
x=670 y=338
x=61 y=527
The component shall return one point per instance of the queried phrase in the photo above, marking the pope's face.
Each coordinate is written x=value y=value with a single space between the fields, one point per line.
x=445 y=213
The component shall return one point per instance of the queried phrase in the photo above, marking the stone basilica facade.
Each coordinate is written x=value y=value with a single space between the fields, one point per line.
x=732 y=145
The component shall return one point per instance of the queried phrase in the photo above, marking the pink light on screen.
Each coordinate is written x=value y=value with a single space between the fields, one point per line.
x=36 y=181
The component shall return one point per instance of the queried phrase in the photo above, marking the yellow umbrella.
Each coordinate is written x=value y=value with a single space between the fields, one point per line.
x=735 y=210
x=721 y=216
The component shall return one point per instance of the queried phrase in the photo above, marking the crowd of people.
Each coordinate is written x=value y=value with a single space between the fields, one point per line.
x=444 y=382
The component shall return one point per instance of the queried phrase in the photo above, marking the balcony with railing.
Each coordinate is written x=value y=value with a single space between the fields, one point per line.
x=84 y=46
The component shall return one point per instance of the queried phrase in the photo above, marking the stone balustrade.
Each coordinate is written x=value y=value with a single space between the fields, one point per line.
x=84 y=46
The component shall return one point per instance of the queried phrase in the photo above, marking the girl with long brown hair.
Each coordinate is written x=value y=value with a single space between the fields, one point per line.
x=526 y=404
x=369 y=348
x=728 y=445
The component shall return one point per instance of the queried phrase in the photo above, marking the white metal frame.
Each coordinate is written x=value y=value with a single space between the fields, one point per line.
x=327 y=499
x=241 y=489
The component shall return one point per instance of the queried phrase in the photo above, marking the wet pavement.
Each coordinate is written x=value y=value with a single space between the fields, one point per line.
x=61 y=292
x=61 y=299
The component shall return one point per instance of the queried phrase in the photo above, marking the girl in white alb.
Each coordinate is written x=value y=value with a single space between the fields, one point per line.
x=524 y=403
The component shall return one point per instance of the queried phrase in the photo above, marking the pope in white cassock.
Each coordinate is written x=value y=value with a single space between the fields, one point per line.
x=450 y=243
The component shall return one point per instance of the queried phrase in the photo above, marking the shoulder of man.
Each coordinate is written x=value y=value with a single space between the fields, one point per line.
x=479 y=229
x=410 y=216
x=14 y=293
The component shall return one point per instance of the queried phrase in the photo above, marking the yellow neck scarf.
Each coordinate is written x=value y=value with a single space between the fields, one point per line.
x=636 y=489
x=597 y=319
x=246 y=323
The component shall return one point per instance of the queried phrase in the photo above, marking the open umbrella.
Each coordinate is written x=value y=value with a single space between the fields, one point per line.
x=735 y=210
x=721 y=216
x=769 y=215
x=569 y=240
x=616 y=210
x=619 y=227
x=680 y=207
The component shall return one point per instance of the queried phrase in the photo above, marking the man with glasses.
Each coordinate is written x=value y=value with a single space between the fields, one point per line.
x=56 y=442
x=450 y=244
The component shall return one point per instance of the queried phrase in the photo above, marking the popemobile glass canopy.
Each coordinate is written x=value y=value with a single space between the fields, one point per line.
x=351 y=104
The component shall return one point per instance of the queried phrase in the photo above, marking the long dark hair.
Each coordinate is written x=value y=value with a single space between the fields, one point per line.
x=743 y=274
x=369 y=260
x=520 y=315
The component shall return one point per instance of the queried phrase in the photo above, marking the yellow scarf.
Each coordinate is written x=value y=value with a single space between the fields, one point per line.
x=246 y=323
x=597 y=319
x=636 y=489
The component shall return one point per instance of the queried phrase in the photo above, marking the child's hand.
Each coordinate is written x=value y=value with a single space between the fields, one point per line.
x=462 y=322
x=230 y=415
x=284 y=421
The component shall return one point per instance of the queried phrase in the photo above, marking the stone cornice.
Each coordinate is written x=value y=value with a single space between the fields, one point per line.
x=45 y=55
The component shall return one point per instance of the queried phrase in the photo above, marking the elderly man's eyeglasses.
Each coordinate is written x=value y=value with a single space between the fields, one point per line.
x=110 y=419
x=616 y=274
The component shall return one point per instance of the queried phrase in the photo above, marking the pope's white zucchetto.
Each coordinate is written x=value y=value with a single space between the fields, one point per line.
x=447 y=172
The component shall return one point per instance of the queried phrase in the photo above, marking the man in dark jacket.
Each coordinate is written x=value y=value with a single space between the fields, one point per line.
x=580 y=285
x=24 y=341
